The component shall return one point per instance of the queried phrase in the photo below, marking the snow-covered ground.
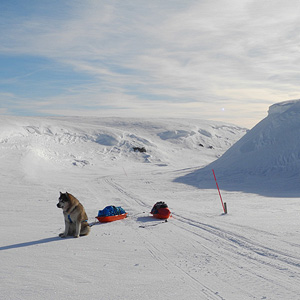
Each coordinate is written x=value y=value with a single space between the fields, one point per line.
x=253 y=252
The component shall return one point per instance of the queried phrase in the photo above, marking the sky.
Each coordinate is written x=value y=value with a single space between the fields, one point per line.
x=223 y=60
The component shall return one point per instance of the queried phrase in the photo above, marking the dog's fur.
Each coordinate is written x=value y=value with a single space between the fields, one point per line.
x=75 y=216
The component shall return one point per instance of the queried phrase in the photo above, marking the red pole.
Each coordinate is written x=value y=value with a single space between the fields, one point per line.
x=219 y=191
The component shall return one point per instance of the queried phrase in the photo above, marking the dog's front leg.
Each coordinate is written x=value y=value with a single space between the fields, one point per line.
x=78 y=229
x=67 y=226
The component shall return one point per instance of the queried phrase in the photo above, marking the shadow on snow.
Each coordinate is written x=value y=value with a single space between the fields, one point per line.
x=32 y=243
x=265 y=185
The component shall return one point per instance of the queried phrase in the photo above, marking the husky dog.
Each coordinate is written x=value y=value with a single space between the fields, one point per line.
x=75 y=216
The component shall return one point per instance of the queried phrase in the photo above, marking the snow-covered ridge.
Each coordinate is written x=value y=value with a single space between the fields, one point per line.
x=266 y=159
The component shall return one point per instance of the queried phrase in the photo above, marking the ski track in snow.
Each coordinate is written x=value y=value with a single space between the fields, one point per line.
x=246 y=249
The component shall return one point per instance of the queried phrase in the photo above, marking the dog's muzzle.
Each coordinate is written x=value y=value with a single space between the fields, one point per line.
x=59 y=205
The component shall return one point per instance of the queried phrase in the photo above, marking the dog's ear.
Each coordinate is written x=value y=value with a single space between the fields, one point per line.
x=60 y=193
x=68 y=196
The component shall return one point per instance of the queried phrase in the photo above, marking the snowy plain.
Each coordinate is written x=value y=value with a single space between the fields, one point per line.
x=253 y=252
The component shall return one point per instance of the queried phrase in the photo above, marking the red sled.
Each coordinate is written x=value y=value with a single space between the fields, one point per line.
x=163 y=213
x=107 y=219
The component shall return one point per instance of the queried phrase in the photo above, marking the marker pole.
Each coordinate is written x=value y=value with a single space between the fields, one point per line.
x=224 y=209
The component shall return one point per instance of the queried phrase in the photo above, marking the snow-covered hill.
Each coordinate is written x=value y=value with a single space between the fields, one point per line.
x=250 y=253
x=41 y=144
x=266 y=160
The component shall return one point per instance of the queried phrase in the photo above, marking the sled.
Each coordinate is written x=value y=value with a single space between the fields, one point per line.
x=163 y=213
x=106 y=219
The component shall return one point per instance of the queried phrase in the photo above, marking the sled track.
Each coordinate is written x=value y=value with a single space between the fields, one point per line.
x=242 y=242
x=170 y=265
x=129 y=197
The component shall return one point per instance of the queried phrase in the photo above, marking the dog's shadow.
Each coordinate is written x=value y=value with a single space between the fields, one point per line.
x=32 y=243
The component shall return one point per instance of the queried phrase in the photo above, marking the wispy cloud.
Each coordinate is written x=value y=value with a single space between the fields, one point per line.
x=217 y=59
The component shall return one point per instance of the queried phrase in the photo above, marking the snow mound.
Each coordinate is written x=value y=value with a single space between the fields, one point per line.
x=266 y=160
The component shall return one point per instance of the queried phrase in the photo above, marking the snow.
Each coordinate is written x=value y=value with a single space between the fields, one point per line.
x=200 y=253
x=279 y=108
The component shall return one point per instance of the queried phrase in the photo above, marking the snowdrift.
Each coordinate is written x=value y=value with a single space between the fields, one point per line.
x=265 y=161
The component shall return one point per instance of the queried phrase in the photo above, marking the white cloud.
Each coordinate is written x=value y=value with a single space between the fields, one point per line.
x=229 y=51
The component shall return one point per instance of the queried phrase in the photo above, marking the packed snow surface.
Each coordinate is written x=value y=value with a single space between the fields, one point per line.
x=253 y=252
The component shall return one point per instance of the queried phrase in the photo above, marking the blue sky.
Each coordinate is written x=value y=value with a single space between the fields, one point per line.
x=225 y=60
